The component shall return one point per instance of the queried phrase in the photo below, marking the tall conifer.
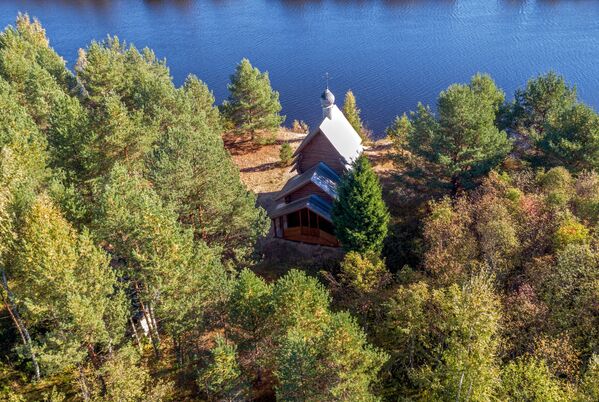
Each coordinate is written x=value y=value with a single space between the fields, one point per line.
x=462 y=143
x=252 y=104
x=352 y=113
x=360 y=214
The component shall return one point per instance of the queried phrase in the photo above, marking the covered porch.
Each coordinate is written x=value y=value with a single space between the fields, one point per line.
x=306 y=221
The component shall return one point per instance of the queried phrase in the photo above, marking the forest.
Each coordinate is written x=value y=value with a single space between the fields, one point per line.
x=128 y=243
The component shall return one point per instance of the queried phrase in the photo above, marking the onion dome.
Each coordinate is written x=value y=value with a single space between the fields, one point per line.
x=327 y=99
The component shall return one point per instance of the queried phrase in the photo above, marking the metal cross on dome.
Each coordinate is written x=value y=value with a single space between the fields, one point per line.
x=327 y=77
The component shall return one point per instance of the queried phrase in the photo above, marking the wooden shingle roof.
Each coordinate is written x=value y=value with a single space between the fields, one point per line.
x=320 y=174
x=313 y=202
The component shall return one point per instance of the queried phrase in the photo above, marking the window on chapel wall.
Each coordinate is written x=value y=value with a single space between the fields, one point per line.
x=313 y=220
x=293 y=220
x=326 y=226
x=304 y=220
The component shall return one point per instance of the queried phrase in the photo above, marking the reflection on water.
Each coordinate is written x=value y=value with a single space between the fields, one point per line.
x=391 y=53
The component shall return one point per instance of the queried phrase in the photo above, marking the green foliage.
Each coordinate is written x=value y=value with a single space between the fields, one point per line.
x=353 y=363
x=570 y=288
x=338 y=365
x=54 y=396
x=286 y=154
x=364 y=273
x=222 y=379
x=359 y=214
x=193 y=172
x=252 y=104
x=540 y=101
x=170 y=272
x=556 y=184
x=463 y=143
x=399 y=131
x=300 y=302
x=450 y=245
x=297 y=368
x=250 y=305
x=570 y=231
x=24 y=156
x=589 y=389
x=527 y=379
x=201 y=102
x=499 y=242
x=125 y=380
x=352 y=113
x=65 y=280
x=444 y=341
x=573 y=138
x=23 y=48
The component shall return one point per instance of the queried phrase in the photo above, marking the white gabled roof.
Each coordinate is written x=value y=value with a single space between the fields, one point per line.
x=340 y=134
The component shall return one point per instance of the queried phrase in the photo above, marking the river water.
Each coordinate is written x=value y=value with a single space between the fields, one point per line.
x=391 y=53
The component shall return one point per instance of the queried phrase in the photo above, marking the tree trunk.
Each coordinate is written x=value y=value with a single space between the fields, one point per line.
x=455 y=185
x=25 y=337
x=460 y=387
x=154 y=323
x=201 y=223
x=153 y=331
x=85 y=393
x=149 y=321
x=135 y=334
x=96 y=363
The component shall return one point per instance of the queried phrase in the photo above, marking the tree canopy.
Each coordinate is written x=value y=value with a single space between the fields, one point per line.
x=462 y=142
x=133 y=268
x=360 y=214
x=252 y=104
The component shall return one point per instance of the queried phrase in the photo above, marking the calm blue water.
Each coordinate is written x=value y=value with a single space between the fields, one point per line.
x=392 y=53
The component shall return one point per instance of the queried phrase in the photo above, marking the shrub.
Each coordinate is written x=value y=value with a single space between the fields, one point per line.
x=570 y=232
x=528 y=379
x=364 y=272
x=299 y=127
x=286 y=154
x=222 y=379
x=557 y=185
x=266 y=138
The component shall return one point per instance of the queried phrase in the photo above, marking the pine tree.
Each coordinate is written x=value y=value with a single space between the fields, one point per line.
x=543 y=98
x=252 y=105
x=573 y=138
x=176 y=281
x=463 y=143
x=360 y=215
x=300 y=302
x=398 y=131
x=193 y=172
x=64 y=282
x=352 y=113
x=320 y=355
x=250 y=305
x=286 y=154
x=222 y=379
x=22 y=172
